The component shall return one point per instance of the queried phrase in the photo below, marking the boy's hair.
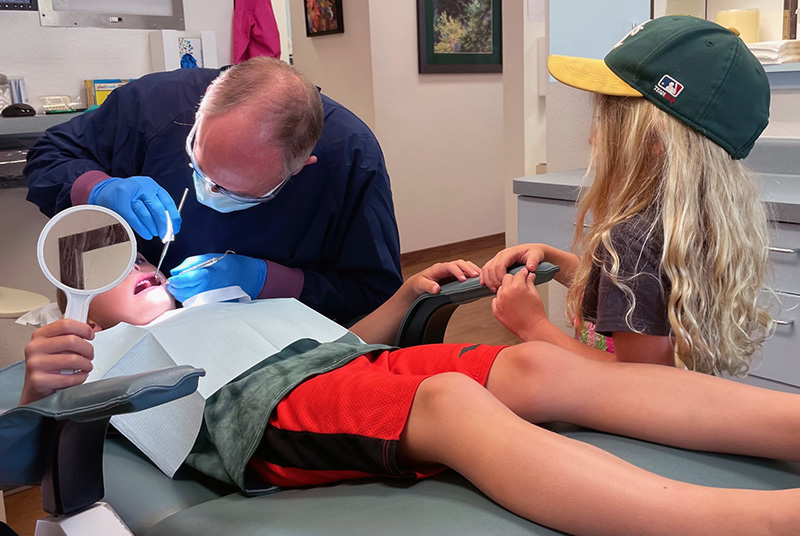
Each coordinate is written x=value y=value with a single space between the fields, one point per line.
x=715 y=231
x=284 y=101
x=61 y=300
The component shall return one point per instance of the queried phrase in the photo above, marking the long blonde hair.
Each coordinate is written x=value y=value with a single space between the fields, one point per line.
x=715 y=231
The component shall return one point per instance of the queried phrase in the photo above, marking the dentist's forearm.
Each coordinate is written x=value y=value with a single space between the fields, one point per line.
x=282 y=282
x=82 y=187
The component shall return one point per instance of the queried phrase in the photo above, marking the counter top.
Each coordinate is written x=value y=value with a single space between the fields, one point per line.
x=781 y=192
x=560 y=185
x=14 y=126
x=775 y=160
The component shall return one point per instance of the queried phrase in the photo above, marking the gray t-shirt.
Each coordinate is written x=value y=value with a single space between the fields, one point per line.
x=639 y=251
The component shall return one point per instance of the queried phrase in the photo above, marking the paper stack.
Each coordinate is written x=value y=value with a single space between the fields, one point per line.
x=771 y=52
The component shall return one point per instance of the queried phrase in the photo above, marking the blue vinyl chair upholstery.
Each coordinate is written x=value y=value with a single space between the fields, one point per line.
x=50 y=441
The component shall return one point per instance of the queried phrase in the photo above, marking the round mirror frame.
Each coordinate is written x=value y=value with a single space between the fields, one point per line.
x=82 y=297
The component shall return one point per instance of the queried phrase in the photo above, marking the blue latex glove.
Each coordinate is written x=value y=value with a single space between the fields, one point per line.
x=247 y=272
x=141 y=202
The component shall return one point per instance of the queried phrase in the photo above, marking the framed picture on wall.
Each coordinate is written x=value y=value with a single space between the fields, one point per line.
x=323 y=17
x=171 y=49
x=459 y=36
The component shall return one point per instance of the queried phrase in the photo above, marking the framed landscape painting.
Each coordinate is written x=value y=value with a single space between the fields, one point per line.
x=459 y=36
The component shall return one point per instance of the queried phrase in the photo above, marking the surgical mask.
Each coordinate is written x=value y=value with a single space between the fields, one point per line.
x=215 y=200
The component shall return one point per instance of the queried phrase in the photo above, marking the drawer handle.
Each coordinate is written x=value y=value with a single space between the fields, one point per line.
x=790 y=251
x=784 y=322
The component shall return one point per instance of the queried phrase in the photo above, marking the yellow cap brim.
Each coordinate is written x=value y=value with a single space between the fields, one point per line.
x=589 y=75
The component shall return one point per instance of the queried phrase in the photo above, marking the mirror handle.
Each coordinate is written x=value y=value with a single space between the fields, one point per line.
x=77 y=309
x=78 y=306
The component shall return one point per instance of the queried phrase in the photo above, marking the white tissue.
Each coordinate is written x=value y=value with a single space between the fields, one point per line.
x=41 y=316
x=218 y=295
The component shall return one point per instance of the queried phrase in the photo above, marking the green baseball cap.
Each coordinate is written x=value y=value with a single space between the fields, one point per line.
x=695 y=70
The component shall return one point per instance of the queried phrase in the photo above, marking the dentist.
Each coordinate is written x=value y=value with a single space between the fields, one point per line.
x=288 y=179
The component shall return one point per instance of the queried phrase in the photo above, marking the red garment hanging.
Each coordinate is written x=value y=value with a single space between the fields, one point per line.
x=255 y=31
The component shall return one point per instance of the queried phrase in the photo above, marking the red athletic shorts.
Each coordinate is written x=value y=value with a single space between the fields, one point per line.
x=346 y=424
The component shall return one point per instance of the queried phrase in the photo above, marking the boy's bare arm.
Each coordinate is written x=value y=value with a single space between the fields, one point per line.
x=380 y=326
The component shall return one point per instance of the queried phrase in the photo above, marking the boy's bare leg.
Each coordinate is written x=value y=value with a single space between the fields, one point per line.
x=569 y=485
x=544 y=383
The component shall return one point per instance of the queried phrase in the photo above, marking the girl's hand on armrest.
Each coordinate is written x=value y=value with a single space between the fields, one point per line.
x=529 y=255
x=518 y=305
x=62 y=345
x=429 y=279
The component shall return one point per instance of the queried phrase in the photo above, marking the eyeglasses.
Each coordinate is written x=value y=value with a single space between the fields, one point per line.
x=241 y=198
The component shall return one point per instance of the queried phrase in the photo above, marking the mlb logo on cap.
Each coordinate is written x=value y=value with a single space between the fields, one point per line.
x=670 y=85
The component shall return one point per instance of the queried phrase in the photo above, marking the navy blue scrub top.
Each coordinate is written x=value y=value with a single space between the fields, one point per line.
x=334 y=220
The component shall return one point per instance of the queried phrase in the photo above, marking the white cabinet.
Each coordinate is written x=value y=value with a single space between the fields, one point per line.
x=785 y=256
x=550 y=221
x=780 y=360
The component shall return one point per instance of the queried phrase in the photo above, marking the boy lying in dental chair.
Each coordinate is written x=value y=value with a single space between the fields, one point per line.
x=335 y=411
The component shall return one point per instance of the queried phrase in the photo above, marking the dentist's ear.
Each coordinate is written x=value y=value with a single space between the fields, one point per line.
x=310 y=160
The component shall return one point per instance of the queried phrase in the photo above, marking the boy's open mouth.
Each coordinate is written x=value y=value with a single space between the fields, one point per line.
x=146 y=283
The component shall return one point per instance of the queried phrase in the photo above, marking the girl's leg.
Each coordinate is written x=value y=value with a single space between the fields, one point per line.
x=569 y=485
x=543 y=383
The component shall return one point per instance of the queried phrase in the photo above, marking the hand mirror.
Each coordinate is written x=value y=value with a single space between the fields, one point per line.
x=85 y=251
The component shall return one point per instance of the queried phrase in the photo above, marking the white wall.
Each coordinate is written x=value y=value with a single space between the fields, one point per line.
x=515 y=82
x=569 y=113
x=281 y=10
x=442 y=135
x=55 y=61
x=341 y=64
x=523 y=106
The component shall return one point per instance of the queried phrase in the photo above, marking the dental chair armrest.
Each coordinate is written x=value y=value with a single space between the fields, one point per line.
x=58 y=441
x=116 y=396
x=427 y=318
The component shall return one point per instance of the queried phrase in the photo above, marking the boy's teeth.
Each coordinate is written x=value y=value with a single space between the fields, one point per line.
x=144 y=284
